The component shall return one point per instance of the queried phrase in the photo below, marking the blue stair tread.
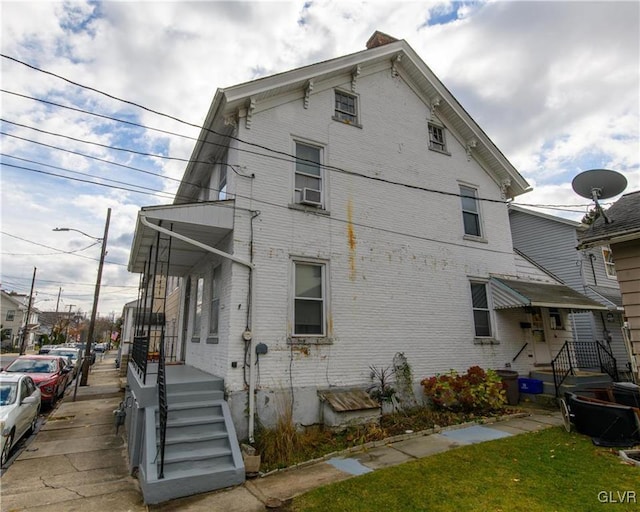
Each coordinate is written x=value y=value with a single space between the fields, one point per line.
x=176 y=474
x=199 y=420
x=180 y=406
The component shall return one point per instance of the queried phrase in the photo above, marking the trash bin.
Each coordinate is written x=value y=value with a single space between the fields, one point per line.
x=510 y=382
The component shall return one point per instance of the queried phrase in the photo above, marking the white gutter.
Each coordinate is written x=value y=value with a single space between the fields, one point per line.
x=252 y=276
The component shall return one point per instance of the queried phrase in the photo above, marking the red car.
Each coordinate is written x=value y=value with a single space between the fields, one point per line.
x=50 y=373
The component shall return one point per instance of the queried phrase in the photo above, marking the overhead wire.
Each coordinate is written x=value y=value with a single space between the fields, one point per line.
x=290 y=157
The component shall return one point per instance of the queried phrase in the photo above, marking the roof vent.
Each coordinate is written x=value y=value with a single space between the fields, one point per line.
x=379 y=39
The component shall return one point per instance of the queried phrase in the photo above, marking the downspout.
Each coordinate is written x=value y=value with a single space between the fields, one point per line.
x=252 y=277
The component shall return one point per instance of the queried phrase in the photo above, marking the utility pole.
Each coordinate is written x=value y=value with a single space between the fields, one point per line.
x=26 y=322
x=96 y=296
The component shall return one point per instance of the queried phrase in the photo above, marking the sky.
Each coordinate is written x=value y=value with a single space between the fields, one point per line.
x=555 y=85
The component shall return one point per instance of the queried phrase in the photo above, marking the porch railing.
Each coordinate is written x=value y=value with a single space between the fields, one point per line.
x=140 y=355
x=162 y=407
x=576 y=355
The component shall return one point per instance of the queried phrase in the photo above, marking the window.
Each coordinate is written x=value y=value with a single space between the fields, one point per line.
x=308 y=174
x=555 y=317
x=609 y=265
x=222 y=182
x=470 y=211
x=11 y=314
x=214 y=311
x=481 y=314
x=197 y=308
x=436 y=138
x=309 y=299
x=346 y=108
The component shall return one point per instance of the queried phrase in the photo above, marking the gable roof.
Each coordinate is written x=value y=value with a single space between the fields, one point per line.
x=239 y=101
x=553 y=218
x=623 y=225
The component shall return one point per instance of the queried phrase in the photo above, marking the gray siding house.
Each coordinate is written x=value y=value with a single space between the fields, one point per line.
x=551 y=242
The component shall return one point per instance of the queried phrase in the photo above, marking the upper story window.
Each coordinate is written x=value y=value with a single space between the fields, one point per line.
x=609 y=265
x=436 y=138
x=308 y=175
x=481 y=312
x=11 y=314
x=309 y=301
x=222 y=182
x=346 y=109
x=470 y=211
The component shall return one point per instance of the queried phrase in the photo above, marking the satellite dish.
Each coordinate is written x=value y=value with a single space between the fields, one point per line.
x=599 y=184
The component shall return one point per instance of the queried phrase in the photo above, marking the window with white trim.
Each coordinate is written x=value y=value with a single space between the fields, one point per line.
x=222 y=182
x=346 y=107
x=609 y=265
x=214 y=307
x=470 y=211
x=309 y=301
x=481 y=312
x=308 y=175
x=197 y=308
x=11 y=314
x=436 y=138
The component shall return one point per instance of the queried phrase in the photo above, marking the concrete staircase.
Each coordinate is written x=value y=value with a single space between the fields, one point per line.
x=579 y=383
x=201 y=448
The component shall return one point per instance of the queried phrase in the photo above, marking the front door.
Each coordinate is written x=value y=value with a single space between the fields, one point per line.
x=541 y=351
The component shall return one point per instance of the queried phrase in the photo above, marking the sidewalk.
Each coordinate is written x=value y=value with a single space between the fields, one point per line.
x=78 y=462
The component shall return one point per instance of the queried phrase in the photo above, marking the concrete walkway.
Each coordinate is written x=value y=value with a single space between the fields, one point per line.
x=78 y=462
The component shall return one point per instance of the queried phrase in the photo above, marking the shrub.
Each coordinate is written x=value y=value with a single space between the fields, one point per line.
x=477 y=391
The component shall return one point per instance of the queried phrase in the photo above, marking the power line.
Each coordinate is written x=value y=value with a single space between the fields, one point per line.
x=58 y=250
x=74 y=283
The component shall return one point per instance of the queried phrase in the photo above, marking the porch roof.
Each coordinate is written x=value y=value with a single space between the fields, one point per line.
x=511 y=293
x=205 y=222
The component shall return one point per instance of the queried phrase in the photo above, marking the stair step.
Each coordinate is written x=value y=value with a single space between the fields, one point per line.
x=173 y=473
x=190 y=438
x=184 y=406
x=199 y=454
x=192 y=421
x=174 y=397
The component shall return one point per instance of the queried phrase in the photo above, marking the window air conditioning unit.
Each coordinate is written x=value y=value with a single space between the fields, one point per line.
x=311 y=197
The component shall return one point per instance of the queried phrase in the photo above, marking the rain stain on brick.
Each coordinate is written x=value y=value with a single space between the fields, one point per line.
x=351 y=238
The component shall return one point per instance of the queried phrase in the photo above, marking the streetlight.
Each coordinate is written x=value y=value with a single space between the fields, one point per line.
x=92 y=324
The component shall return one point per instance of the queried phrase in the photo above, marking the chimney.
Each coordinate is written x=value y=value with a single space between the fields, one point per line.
x=379 y=39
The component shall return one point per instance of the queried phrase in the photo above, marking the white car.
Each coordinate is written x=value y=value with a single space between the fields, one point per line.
x=20 y=402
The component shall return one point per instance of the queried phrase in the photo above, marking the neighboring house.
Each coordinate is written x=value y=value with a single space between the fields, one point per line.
x=551 y=242
x=330 y=218
x=620 y=231
x=13 y=320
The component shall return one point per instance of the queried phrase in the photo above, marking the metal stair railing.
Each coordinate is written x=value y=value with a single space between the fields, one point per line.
x=163 y=407
x=576 y=355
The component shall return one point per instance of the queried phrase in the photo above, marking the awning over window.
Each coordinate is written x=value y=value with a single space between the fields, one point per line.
x=512 y=293
x=207 y=223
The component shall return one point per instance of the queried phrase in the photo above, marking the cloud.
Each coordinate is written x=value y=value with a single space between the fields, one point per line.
x=554 y=84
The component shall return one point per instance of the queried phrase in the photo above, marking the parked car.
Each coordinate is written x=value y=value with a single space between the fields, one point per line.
x=72 y=354
x=20 y=401
x=101 y=347
x=83 y=348
x=50 y=373
x=44 y=349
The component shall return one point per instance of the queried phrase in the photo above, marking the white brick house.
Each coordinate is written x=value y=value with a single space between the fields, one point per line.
x=366 y=213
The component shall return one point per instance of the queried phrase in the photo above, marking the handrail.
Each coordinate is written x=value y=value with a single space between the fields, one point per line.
x=520 y=351
x=582 y=354
x=163 y=406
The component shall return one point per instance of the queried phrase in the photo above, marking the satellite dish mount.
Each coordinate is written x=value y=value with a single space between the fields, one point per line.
x=599 y=184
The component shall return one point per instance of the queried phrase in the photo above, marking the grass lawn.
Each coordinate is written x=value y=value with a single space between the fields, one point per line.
x=545 y=471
